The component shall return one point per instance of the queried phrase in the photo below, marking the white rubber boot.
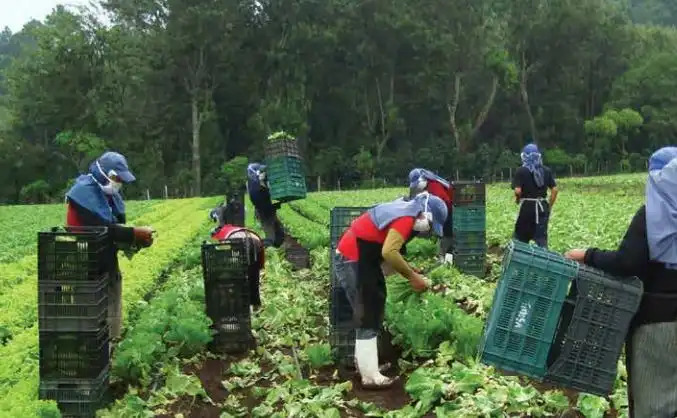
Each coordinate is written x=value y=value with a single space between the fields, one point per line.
x=366 y=354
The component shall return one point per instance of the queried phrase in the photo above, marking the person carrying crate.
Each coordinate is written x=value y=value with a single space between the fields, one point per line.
x=531 y=183
x=95 y=200
x=372 y=242
x=422 y=180
x=256 y=253
x=265 y=210
x=649 y=251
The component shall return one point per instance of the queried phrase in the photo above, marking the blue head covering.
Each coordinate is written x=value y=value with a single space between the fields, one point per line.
x=531 y=159
x=417 y=174
x=87 y=192
x=384 y=214
x=253 y=170
x=661 y=207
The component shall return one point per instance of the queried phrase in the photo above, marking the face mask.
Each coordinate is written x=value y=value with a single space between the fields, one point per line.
x=422 y=184
x=113 y=186
x=424 y=224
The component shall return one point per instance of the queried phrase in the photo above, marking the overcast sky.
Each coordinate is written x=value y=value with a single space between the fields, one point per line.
x=15 y=13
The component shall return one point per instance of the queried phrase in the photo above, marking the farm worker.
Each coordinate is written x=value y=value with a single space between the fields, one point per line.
x=257 y=254
x=649 y=251
x=372 y=242
x=421 y=180
x=95 y=200
x=265 y=210
x=530 y=184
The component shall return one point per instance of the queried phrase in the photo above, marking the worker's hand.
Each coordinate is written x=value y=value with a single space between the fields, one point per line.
x=143 y=236
x=419 y=282
x=576 y=255
x=277 y=205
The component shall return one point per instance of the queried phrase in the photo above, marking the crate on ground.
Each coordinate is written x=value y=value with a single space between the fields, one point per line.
x=227 y=260
x=286 y=178
x=469 y=218
x=228 y=299
x=232 y=335
x=470 y=262
x=526 y=309
x=74 y=254
x=72 y=306
x=469 y=192
x=342 y=330
x=470 y=241
x=340 y=219
x=77 y=397
x=298 y=256
x=593 y=328
x=73 y=355
x=282 y=148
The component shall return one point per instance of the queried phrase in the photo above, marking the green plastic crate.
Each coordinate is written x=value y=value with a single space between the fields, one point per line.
x=471 y=262
x=470 y=241
x=526 y=309
x=469 y=218
x=286 y=177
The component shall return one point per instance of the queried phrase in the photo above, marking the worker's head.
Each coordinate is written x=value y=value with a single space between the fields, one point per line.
x=111 y=172
x=531 y=156
x=661 y=158
x=433 y=216
x=417 y=182
x=257 y=171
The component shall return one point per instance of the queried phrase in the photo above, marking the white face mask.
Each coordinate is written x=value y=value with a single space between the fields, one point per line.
x=422 y=184
x=113 y=186
x=424 y=223
x=262 y=176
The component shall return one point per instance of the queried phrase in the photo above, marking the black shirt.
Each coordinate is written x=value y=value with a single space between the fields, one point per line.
x=659 y=303
x=525 y=180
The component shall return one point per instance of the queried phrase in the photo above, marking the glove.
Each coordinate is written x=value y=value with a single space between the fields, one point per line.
x=143 y=236
x=277 y=205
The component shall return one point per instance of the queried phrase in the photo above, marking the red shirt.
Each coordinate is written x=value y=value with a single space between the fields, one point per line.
x=364 y=228
x=227 y=230
x=72 y=217
x=436 y=188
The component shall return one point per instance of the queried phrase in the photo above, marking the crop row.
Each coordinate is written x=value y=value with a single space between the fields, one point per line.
x=176 y=223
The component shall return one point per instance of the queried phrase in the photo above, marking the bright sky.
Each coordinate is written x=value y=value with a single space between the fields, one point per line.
x=15 y=13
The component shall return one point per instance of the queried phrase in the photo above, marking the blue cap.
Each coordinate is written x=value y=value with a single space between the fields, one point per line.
x=414 y=175
x=118 y=163
x=662 y=157
x=530 y=148
x=439 y=210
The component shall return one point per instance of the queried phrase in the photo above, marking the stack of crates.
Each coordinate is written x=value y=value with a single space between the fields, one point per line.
x=557 y=321
x=342 y=333
x=286 y=173
x=74 y=341
x=469 y=227
x=226 y=266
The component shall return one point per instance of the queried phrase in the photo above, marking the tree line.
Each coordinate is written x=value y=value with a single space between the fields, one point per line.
x=189 y=91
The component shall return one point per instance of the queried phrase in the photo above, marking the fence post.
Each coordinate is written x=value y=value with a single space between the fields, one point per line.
x=147 y=194
x=166 y=192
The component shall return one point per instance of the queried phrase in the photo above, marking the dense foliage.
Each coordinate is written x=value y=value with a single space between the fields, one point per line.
x=370 y=88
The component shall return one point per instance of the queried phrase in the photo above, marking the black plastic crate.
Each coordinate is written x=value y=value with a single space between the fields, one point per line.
x=232 y=335
x=342 y=330
x=77 y=397
x=469 y=192
x=227 y=299
x=227 y=260
x=75 y=254
x=282 y=148
x=592 y=330
x=340 y=219
x=298 y=256
x=72 y=306
x=470 y=263
x=73 y=355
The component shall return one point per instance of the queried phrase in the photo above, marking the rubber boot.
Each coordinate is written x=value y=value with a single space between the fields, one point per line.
x=366 y=354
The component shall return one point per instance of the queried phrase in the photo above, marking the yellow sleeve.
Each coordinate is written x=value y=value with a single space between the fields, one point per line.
x=391 y=254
